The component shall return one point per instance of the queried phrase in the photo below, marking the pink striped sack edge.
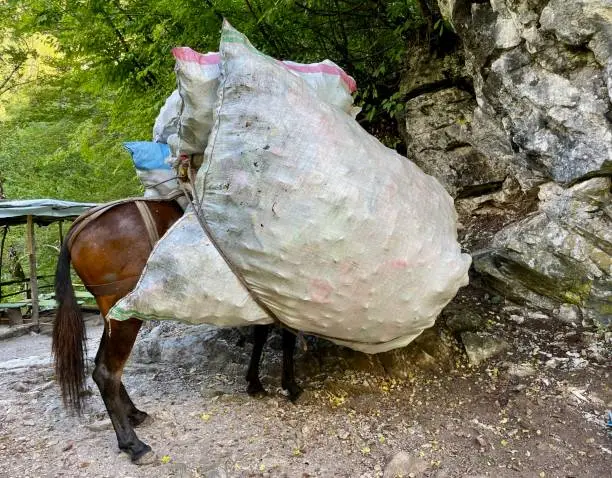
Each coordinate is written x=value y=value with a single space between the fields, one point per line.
x=186 y=122
x=325 y=67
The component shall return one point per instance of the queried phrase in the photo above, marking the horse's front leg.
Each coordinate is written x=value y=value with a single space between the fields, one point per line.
x=260 y=334
x=114 y=351
x=288 y=379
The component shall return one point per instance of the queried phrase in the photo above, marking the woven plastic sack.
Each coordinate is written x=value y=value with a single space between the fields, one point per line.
x=167 y=121
x=332 y=232
x=328 y=80
x=197 y=76
x=154 y=173
x=187 y=280
x=198 y=80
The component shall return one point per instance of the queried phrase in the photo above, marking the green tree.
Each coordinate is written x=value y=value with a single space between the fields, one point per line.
x=128 y=43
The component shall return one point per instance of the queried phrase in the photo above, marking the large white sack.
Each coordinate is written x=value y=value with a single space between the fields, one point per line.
x=197 y=77
x=186 y=279
x=337 y=234
x=167 y=121
x=198 y=80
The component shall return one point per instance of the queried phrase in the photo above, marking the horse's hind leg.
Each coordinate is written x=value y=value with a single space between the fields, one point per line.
x=288 y=378
x=114 y=351
x=135 y=416
x=260 y=334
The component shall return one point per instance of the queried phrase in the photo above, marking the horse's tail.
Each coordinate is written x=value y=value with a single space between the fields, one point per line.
x=69 y=335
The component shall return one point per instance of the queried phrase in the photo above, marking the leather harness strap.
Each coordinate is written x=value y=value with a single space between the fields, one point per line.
x=83 y=221
x=122 y=286
x=149 y=222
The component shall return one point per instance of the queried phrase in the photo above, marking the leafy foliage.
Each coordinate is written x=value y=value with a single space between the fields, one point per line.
x=128 y=43
x=61 y=144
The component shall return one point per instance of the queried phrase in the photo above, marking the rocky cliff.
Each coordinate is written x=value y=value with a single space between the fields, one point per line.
x=516 y=121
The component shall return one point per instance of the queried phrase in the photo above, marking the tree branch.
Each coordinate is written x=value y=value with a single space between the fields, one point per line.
x=264 y=31
x=15 y=85
x=10 y=76
x=149 y=77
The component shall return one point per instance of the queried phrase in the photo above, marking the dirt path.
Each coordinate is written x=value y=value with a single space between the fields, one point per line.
x=519 y=415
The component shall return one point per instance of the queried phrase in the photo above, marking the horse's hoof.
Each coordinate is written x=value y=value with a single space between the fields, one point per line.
x=256 y=390
x=294 y=393
x=145 y=457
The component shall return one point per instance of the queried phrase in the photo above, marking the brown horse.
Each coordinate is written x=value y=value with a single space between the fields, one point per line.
x=109 y=248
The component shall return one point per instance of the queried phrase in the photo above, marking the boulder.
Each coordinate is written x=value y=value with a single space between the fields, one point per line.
x=558 y=258
x=480 y=347
x=542 y=71
x=439 y=137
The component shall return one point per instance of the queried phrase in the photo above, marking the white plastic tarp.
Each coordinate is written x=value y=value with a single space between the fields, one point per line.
x=42 y=210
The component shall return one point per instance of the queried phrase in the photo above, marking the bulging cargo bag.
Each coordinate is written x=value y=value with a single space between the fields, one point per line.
x=186 y=279
x=335 y=234
x=198 y=80
x=197 y=76
x=167 y=121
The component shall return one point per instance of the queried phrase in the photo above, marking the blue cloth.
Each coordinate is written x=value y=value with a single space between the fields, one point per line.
x=148 y=155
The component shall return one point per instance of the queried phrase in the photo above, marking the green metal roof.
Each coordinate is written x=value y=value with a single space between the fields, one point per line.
x=43 y=211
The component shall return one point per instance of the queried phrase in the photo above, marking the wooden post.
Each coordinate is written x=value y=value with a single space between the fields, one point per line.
x=61 y=233
x=31 y=244
x=4 y=232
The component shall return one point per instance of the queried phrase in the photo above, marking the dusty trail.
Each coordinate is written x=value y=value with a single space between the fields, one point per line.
x=512 y=417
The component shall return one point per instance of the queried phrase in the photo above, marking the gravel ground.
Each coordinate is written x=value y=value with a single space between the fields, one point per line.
x=535 y=410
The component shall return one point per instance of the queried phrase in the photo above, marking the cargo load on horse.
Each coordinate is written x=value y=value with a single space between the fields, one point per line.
x=187 y=117
x=307 y=220
x=184 y=122
x=108 y=249
x=298 y=216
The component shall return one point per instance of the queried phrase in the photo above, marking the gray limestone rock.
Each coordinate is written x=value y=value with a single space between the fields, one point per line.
x=463 y=319
x=404 y=465
x=439 y=136
x=542 y=70
x=558 y=258
x=480 y=347
x=527 y=153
